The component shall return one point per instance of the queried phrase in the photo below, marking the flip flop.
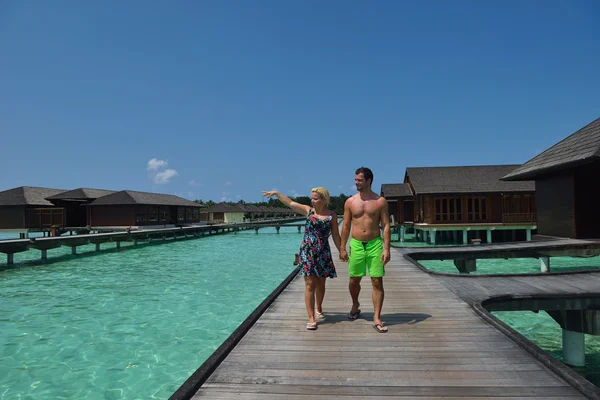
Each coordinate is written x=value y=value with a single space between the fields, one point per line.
x=319 y=316
x=352 y=316
x=311 y=327
x=380 y=328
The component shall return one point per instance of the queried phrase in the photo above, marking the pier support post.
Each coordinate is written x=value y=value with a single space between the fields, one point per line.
x=44 y=254
x=118 y=245
x=97 y=246
x=454 y=236
x=135 y=242
x=74 y=250
x=465 y=237
x=277 y=228
x=10 y=259
x=299 y=229
x=514 y=235
x=402 y=231
x=529 y=234
x=433 y=235
x=489 y=236
x=465 y=266
x=573 y=348
x=545 y=264
x=256 y=230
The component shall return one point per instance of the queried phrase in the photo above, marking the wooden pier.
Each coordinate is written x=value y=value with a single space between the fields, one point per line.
x=438 y=347
x=12 y=246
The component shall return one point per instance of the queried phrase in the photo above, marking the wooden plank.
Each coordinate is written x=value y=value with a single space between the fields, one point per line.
x=420 y=391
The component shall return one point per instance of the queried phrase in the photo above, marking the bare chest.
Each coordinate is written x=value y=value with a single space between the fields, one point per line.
x=368 y=208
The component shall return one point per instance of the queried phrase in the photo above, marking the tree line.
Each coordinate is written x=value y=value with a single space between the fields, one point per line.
x=336 y=203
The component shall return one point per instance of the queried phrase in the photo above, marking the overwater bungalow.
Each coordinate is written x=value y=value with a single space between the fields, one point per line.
x=74 y=203
x=129 y=208
x=32 y=209
x=566 y=178
x=224 y=213
x=238 y=213
x=25 y=209
x=401 y=202
x=472 y=202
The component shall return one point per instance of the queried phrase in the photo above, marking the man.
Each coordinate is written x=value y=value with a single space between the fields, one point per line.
x=364 y=212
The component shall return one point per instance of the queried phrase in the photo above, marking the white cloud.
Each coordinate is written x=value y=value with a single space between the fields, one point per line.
x=227 y=183
x=293 y=193
x=237 y=196
x=190 y=194
x=340 y=187
x=193 y=182
x=163 y=177
x=225 y=198
x=155 y=164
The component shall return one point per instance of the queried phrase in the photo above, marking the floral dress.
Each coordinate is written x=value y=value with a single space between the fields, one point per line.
x=315 y=253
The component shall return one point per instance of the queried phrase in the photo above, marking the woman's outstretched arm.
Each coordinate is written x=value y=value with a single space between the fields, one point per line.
x=299 y=208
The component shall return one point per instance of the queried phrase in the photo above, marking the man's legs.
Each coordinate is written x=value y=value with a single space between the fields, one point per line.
x=378 y=294
x=354 y=287
x=320 y=293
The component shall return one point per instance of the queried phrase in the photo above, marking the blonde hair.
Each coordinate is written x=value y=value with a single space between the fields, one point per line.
x=321 y=191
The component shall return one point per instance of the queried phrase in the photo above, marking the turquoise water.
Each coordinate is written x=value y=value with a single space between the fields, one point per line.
x=517 y=265
x=130 y=323
x=411 y=241
x=541 y=329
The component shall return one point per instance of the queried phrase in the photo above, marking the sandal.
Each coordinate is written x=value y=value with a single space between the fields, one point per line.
x=319 y=315
x=352 y=316
x=311 y=327
x=380 y=328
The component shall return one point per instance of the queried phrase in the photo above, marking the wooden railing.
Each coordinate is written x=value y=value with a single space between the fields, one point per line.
x=511 y=218
x=45 y=218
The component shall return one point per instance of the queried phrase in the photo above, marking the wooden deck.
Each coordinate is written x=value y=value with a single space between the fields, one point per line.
x=476 y=288
x=437 y=347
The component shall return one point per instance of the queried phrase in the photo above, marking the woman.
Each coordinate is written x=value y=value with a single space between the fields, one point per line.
x=315 y=254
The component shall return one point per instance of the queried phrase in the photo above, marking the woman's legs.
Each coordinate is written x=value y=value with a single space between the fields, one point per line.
x=311 y=283
x=320 y=294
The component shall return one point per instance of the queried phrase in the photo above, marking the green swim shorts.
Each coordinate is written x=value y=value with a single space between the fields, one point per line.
x=363 y=255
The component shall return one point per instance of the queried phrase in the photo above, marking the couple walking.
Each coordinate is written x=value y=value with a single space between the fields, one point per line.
x=363 y=214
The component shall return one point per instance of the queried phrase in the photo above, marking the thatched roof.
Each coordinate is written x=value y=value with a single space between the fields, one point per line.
x=81 y=194
x=580 y=148
x=396 y=190
x=28 y=196
x=130 y=197
x=465 y=179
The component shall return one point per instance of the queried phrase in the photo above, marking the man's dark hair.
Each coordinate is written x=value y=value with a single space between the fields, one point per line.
x=368 y=174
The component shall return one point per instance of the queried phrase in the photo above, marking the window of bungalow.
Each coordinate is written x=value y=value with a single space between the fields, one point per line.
x=477 y=208
x=470 y=208
x=140 y=217
x=164 y=214
x=483 y=208
x=196 y=214
x=180 y=214
x=448 y=208
x=445 y=215
x=152 y=214
x=188 y=214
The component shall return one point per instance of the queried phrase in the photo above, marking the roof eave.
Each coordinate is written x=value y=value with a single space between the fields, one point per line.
x=537 y=173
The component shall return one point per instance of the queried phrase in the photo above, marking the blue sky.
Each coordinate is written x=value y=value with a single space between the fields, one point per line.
x=219 y=100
